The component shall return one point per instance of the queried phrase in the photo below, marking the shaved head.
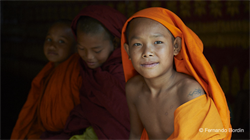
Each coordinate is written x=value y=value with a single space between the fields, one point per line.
x=92 y=26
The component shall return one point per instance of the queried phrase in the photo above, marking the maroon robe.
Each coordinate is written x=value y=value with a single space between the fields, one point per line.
x=103 y=102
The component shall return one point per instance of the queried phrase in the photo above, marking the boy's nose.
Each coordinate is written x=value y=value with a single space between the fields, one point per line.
x=52 y=45
x=148 y=52
x=147 y=55
x=89 y=55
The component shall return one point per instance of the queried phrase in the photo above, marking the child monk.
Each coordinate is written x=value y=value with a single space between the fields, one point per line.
x=55 y=90
x=103 y=112
x=164 y=103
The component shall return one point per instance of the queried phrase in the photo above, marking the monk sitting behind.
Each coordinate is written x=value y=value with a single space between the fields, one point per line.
x=159 y=94
x=103 y=112
x=55 y=90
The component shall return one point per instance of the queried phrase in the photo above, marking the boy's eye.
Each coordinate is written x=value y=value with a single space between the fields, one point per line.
x=61 y=41
x=48 y=39
x=158 y=42
x=98 y=51
x=136 y=44
x=80 y=48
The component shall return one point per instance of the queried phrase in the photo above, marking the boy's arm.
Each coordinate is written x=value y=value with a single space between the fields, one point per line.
x=191 y=90
x=136 y=126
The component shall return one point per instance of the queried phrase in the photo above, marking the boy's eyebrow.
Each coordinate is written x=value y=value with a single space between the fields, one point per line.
x=96 y=47
x=154 y=35
x=63 y=37
x=134 y=37
x=59 y=36
x=157 y=35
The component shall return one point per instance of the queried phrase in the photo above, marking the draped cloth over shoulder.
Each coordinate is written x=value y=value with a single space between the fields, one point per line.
x=190 y=61
x=103 y=102
x=54 y=93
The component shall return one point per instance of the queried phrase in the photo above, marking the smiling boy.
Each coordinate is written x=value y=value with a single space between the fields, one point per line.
x=103 y=100
x=55 y=90
x=165 y=103
x=94 y=42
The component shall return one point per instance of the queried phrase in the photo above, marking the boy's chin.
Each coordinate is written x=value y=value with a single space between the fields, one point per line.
x=93 y=66
x=149 y=75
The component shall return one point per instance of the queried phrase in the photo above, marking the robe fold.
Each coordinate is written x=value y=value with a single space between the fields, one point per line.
x=54 y=93
x=103 y=101
x=200 y=121
x=190 y=61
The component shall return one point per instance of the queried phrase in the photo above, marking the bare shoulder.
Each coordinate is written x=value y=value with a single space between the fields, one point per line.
x=133 y=86
x=189 y=89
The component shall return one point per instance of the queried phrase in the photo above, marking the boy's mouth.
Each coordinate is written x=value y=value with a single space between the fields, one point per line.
x=90 y=63
x=52 y=53
x=150 y=64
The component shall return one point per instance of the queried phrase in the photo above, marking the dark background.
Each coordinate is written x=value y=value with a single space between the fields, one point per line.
x=223 y=26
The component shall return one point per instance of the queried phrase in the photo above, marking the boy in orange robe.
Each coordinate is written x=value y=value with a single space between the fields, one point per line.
x=164 y=103
x=55 y=90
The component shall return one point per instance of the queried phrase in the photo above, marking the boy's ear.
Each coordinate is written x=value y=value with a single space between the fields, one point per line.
x=126 y=47
x=177 y=45
x=116 y=42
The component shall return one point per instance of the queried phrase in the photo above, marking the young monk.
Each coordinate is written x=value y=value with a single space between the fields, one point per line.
x=164 y=103
x=103 y=112
x=55 y=90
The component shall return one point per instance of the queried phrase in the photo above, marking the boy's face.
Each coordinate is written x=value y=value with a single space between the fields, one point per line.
x=94 y=49
x=59 y=43
x=150 y=47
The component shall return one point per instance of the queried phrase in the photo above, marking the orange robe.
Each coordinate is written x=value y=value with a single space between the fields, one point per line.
x=213 y=106
x=54 y=93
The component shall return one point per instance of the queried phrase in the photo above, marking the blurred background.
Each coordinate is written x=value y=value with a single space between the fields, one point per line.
x=223 y=26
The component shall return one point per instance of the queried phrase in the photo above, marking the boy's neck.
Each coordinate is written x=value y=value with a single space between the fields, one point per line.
x=56 y=64
x=163 y=82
